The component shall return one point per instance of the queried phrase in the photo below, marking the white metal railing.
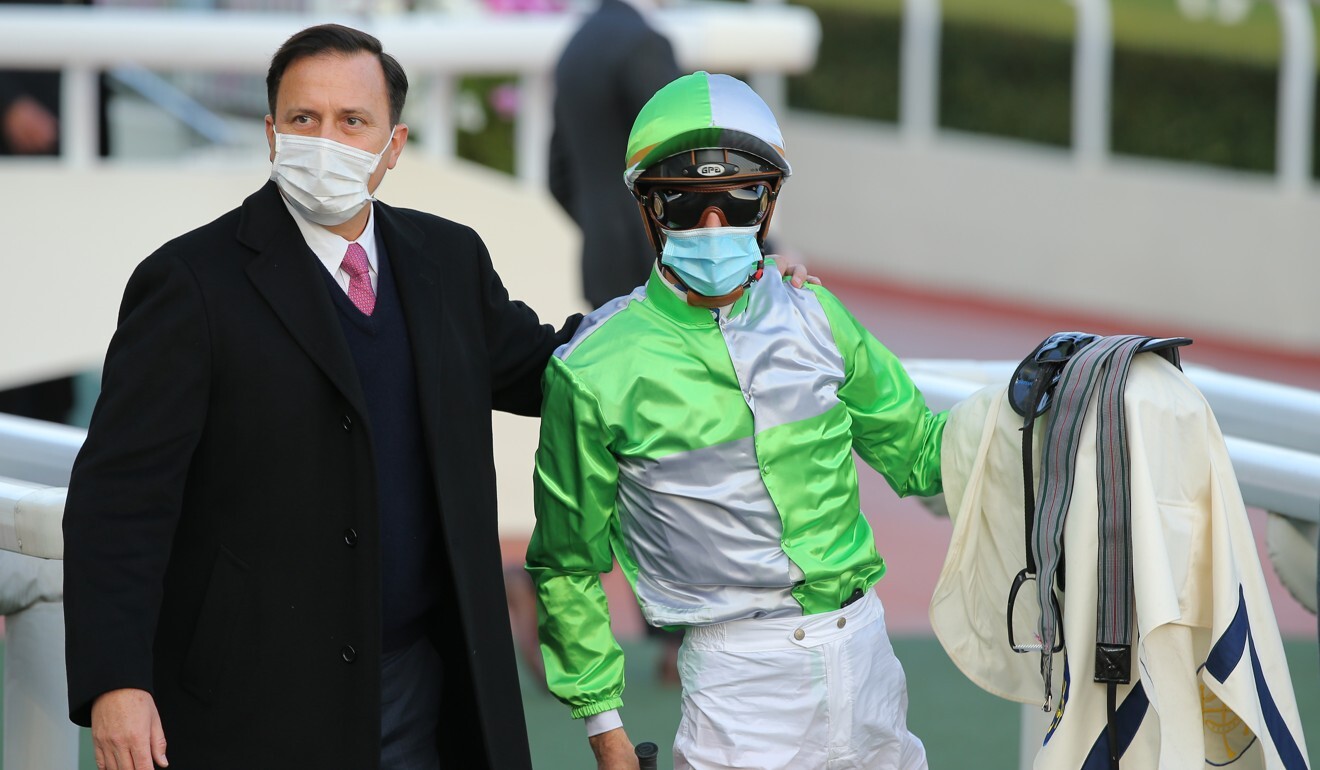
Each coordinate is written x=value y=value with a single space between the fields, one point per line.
x=38 y=452
x=174 y=101
x=36 y=458
x=1093 y=56
x=1272 y=431
x=1296 y=94
x=79 y=41
x=31 y=591
x=1092 y=83
x=919 y=73
x=31 y=517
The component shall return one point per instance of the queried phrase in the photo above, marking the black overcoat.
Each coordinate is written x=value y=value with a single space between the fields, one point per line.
x=220 y=529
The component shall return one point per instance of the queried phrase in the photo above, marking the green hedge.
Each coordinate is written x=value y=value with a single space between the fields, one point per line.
x=856 y=70
x=1006 y=83
x=492 y=145
x=1183 y=108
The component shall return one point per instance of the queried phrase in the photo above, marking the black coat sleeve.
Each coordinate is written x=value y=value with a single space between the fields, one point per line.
x=518 y=345
x=128 y=481
x=560 y=177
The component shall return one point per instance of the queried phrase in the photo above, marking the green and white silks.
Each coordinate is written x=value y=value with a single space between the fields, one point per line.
x=711 y=454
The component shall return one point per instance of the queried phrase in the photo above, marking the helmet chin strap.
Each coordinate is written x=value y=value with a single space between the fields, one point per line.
x=701 y=300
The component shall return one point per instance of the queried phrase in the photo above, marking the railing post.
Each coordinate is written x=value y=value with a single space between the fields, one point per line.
x=36 y=696
x=531 y=158
x=1296 y=93
x=1093 y=55
x=438 y=138
x=919 y=87
x=80 y=130
x=36 y=731
x=770 y=86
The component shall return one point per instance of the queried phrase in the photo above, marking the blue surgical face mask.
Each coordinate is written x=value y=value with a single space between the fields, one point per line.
x=712 y=260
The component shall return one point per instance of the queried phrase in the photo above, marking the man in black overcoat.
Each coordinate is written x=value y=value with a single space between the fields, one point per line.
x=281 y=543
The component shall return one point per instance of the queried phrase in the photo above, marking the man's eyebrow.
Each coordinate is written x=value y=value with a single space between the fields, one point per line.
x=329 y=112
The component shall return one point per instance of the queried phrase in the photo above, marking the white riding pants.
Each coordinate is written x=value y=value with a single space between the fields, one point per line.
x=818 y=692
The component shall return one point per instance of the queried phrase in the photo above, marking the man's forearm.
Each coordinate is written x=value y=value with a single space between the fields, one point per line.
x=613 y=750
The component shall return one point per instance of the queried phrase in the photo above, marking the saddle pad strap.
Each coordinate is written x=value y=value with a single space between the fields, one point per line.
x=1113 y=468
x=1038 y=389
x=1059 y=456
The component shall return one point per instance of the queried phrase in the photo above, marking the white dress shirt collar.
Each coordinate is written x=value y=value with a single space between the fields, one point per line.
x=329 y=248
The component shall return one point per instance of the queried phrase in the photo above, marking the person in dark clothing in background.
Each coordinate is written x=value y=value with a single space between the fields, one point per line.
x=611 y=66
x=30 y=125
x=29 y=102
x=30 y=105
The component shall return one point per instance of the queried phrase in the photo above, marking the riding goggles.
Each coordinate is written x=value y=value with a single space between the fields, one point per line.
x=683 y=208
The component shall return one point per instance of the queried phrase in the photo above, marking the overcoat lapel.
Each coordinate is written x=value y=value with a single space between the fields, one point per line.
x=417 y=280
x=419 y=287
x=285 y=273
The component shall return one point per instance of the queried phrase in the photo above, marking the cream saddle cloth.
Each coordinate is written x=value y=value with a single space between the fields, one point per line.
x=1210 y=684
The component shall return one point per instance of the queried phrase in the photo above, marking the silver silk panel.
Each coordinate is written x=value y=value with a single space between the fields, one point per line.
x=701 y=524
x=784 y=354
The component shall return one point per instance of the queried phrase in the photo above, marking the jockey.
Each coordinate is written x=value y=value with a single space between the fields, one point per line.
x=701 y=431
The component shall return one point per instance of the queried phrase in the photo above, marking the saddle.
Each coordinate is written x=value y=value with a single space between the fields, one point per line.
x=1059 y=377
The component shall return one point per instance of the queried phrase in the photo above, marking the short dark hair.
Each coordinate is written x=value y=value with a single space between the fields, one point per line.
x=336 y=38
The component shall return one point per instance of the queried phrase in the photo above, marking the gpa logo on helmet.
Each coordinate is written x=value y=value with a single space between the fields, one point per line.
x=711 y=169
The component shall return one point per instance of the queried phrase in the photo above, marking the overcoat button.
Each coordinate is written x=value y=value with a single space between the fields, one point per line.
x=350 y=537
x=799 y=634
x=842 y=622
x=348 y=653
x=347 y=422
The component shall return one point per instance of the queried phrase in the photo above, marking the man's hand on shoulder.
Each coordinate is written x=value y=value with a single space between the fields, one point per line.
x=613 y=750
x=791 y=267
x=126 y=731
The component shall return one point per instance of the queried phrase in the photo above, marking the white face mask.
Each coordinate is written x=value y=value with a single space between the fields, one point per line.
x=326 y=181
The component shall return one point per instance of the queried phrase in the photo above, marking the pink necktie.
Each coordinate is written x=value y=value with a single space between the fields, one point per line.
x=359 y=281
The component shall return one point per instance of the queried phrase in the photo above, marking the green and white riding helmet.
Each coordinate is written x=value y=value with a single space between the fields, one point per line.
x=706 y=133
